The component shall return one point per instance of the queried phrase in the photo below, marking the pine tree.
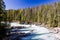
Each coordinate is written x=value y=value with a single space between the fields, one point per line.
x=50 y=17
x=2 y=11
x=58 y=13
x=20 y=15
x=2 y=18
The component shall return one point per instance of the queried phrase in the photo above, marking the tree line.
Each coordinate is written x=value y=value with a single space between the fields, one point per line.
x=48 y=14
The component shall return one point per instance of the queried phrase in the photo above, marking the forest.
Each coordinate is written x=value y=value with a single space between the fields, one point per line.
x=48 y=14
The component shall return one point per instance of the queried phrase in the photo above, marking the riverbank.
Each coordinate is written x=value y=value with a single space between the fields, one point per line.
x=54 y=30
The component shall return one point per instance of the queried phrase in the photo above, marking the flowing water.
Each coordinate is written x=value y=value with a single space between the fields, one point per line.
x=38 y=33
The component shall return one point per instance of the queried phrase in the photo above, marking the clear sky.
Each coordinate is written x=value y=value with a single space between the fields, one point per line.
x=17 y=4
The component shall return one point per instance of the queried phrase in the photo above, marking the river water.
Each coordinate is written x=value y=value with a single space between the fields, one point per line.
x=38 y=33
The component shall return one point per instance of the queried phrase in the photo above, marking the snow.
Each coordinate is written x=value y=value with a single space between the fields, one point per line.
x=57 y=34
x=17 y=24
x=39 y=32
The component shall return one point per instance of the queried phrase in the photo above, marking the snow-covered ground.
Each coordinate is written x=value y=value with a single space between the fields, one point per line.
x=17 y=24
x=39 y=32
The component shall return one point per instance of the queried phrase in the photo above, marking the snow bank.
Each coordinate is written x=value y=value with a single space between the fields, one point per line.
x=39 y=29
x=15 y=24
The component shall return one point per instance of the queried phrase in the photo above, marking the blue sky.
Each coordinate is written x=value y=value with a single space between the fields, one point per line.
x=17 y=4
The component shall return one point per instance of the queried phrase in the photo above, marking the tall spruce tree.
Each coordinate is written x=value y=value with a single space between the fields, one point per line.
x=2 y=18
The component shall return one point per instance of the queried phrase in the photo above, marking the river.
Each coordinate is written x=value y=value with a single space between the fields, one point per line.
x=39 y=33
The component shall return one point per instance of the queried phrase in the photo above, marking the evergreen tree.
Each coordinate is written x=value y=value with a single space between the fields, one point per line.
x=2 y=18
x=58 y=13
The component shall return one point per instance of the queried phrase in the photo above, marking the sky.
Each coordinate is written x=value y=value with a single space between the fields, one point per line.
x=17 y=4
